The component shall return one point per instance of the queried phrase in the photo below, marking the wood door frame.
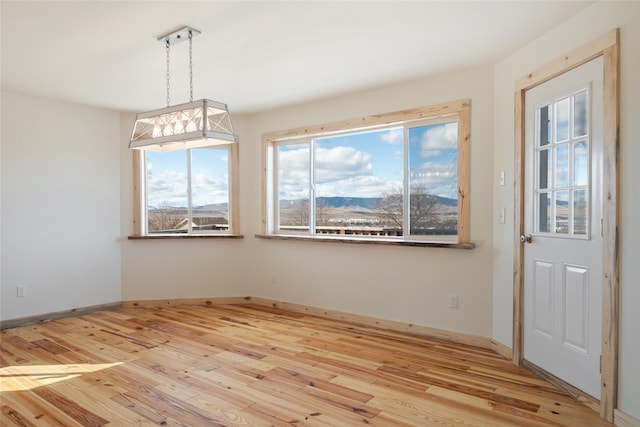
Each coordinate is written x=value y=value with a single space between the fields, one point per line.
x=607 y=46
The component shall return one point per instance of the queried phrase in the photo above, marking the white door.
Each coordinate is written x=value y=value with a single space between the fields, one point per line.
x=563 y=214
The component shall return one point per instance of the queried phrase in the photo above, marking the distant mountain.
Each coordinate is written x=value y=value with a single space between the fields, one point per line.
x=446 y=201
x=368 y=203
x=213 y=207
x=358 y=202
x=348 y=202
x=203 y=208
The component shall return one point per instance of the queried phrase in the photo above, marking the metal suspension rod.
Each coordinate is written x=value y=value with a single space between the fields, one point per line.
x=190 y=65
x=168 y=44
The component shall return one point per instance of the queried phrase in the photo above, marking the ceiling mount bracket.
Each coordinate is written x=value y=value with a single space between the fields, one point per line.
x=179 y=35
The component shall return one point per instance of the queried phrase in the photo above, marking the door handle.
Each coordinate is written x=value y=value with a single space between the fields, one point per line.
x=526 y=238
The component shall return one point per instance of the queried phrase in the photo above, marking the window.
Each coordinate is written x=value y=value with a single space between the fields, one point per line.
x=400 y=176
x=187 y=192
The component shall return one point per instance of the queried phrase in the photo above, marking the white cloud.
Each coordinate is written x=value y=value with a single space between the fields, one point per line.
x=339 y=163
x=562 y=110
x=393 y=136
x=169 y=188
x=436 y=139
x=358 y=186
x=340 y=171
x=333 y=164
x=293 y=173
x=439 y=178
x=293 y=192
x=208 y=190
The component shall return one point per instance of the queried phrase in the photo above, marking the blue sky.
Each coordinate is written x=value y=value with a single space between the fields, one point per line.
x=167 y=177
x=359 y=165
x=370 y=164
x=355 y=165
x=433 y=158
x=364 y=164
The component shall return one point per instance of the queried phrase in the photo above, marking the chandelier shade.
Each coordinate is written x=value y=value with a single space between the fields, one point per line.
x=194 y=124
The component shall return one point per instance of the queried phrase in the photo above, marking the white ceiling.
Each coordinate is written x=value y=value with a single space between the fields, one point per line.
x=254 y=55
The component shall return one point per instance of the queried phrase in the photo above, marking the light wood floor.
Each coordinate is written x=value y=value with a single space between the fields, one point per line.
x=255 y=366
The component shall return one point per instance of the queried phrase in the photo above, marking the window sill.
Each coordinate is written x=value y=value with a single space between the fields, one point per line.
x=367 y=241
x=186 y=236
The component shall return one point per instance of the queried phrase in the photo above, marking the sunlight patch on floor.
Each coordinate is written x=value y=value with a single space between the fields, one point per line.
x=26 y=377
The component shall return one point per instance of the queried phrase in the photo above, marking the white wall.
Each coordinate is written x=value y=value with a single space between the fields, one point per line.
x=177 y=268
x=407 y=284
x=60 y=206
x=579 y=30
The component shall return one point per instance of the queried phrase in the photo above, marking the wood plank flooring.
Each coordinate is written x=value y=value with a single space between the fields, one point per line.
x=245 y=365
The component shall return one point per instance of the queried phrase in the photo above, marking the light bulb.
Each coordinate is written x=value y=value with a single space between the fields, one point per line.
x=167 y=128
x=191 y=126
x=178 y=126
x=157 y=128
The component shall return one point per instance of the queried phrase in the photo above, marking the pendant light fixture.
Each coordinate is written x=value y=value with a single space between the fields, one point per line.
x=194 y=124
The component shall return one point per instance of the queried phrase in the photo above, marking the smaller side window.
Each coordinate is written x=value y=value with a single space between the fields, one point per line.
x=186 y=192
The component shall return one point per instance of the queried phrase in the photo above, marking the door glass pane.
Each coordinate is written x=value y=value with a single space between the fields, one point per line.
x=210 y=188
x=562 y=119
x=544 y=213
x=562 y=166
x=580 y=115
x=580 y=212
x=546 y=167
x=544 y=126
x=580 y=163
x=293 y=186
x=433 y=179
x=562 y=212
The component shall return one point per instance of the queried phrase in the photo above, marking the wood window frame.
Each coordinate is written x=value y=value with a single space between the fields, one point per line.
x=461 y=108
x=607 y=46
x=139 y=200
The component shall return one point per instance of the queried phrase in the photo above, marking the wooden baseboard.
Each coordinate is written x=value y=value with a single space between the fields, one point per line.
x=472 y=340
x=186 y=301
x=502 y=349
x=577 y=394
x=39 y=318
x=467 y=339
x=622 y=419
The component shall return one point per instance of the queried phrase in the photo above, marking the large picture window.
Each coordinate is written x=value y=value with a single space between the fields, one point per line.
x=186 y=192
x=403 y=176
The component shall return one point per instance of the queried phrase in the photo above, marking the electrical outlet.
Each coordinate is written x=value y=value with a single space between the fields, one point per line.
x=21 y=291
x=453 y=301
